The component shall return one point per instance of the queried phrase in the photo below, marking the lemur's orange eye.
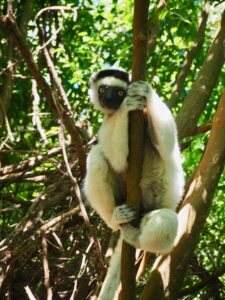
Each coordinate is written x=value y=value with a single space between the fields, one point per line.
x=101 y=90
x=121 y=93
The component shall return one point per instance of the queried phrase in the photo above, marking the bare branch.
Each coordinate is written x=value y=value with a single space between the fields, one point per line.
x=190 y=56
x=154 y=26
x=46 y=267
x=204 y=283
x=29 y=293
x=36 y=119
x=58 y=8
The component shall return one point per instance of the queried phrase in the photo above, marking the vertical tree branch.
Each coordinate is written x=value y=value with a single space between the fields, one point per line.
x=155 y=26
x=136 y=135
x=202 y=88
x=60 y=112
x=191 y=55
x=6 y=89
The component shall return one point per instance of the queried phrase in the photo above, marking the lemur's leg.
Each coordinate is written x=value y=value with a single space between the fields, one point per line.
x=162 y=127
x=99 y=190
x=156 y=234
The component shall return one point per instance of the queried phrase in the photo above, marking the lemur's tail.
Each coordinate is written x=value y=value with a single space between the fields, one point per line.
x=112 y=280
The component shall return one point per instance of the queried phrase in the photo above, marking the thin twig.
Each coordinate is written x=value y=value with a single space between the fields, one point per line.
x=29 y=293
x=58 y=8
x=55 y=8
x=60 y=218
x=9 y=131
x=78 y=196
x=48 y=41
x=205 y=282
x=36 y=119
x=46 y=267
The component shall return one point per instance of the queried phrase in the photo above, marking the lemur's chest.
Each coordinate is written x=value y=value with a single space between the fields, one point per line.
x=113 y=137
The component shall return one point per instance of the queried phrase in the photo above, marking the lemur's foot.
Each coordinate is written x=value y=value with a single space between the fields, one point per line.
x=123 y=214
x=130 y=234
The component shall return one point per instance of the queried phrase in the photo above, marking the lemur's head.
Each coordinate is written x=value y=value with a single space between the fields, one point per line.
x=108 y=89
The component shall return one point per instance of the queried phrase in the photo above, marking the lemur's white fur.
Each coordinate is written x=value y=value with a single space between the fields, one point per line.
x=162 y=177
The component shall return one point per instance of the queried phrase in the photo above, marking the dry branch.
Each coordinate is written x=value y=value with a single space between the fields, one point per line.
x=168 y=271
x=46 y=267
x=31 y=162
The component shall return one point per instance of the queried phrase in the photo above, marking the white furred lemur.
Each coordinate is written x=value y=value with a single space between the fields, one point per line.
x=162 y=177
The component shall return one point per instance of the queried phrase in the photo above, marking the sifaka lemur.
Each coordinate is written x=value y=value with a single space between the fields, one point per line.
x=162 y=177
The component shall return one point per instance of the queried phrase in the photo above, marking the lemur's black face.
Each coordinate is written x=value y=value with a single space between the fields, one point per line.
x=111 y=97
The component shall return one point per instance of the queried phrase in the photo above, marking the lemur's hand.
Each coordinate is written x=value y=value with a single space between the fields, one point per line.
x=123 y=214
x=136 y=95
x=138 y=88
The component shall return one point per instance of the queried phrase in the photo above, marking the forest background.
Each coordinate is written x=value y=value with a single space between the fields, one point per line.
x=49 y=239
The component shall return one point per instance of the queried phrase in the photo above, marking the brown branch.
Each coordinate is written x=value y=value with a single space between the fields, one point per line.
x=154 y=26
x=190 y=56
x=136 y=142
x=10 y=254
x=207 y=281
x=199 y=130
x=168 y=272
x=6 y=89
x=61 y=114
x=79 y=198
x=55 y=192
x=57 y=8
x=61 y=218
x=51 y=68
x=31 y=162
x=40 y=176
x=24 y=16
x=202 y=88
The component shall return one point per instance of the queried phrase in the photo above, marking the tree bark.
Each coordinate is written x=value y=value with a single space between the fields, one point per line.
x=168 y=272
x=136 y=136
